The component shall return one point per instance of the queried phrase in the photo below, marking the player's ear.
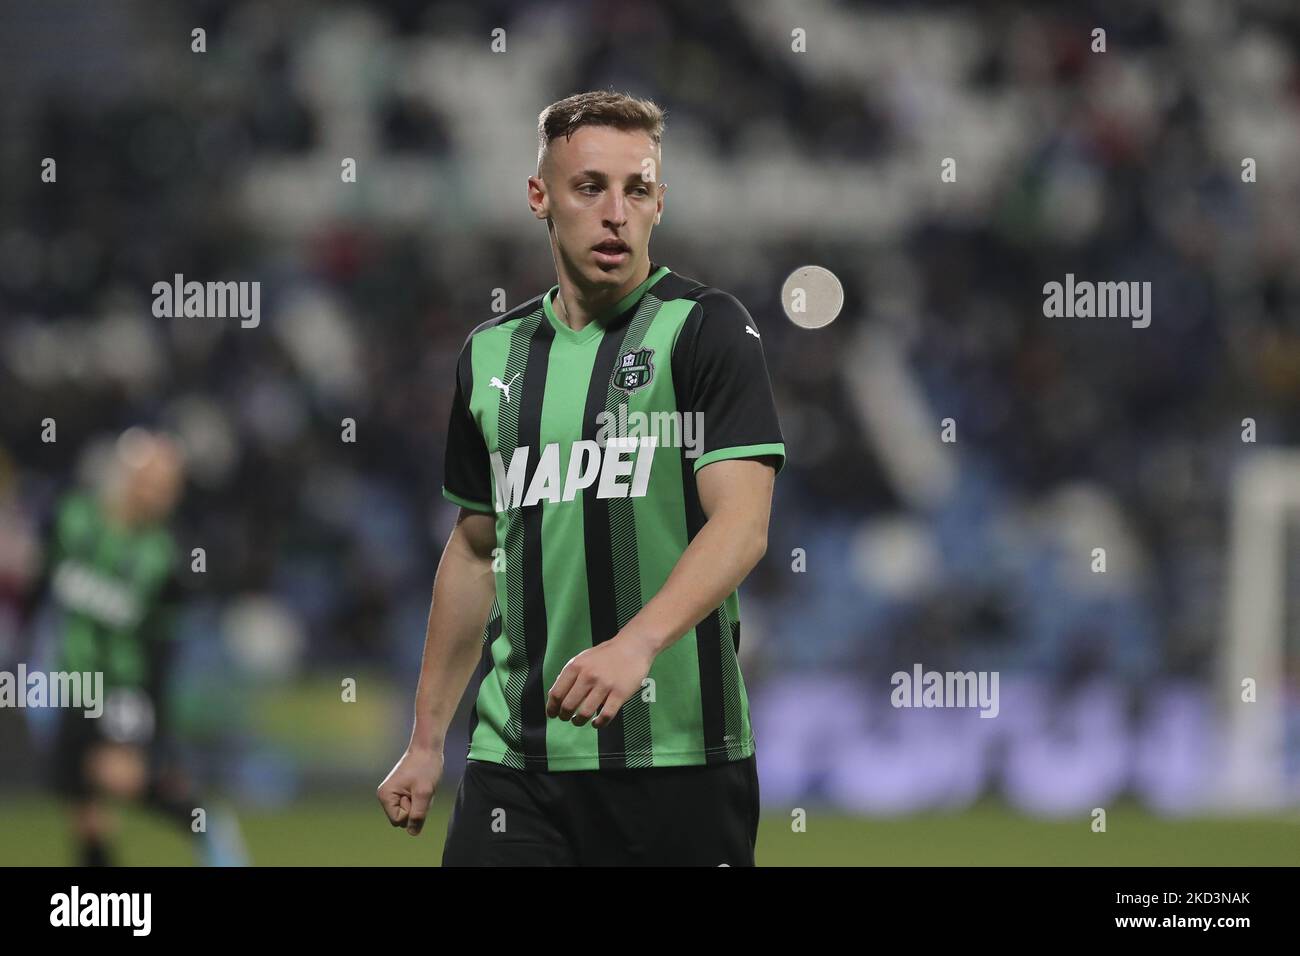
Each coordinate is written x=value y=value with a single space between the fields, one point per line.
x=537 y=197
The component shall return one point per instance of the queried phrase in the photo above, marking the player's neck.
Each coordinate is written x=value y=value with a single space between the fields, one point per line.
x=577 y=307
x=118 y=512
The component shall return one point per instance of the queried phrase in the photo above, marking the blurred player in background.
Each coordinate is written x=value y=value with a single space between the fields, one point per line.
x=112 y=578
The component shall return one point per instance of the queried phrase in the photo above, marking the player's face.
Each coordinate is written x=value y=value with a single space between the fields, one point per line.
x=154 y=485
x=603 y=194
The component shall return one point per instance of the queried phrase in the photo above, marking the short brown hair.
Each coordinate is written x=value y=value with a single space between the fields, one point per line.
x=597 y=108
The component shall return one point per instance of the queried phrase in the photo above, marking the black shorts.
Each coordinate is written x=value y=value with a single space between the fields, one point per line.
x=131 y=718
x=652 y=816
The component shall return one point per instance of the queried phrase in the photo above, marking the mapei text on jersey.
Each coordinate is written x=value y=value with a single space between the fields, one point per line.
x=588 y=465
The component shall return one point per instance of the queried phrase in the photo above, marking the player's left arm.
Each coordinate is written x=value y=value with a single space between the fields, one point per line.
x=720 y=360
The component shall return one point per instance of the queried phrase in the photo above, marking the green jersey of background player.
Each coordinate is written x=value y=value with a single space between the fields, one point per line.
x=111 y=577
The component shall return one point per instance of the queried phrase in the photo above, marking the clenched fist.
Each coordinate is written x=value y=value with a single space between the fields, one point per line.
x=409 y=787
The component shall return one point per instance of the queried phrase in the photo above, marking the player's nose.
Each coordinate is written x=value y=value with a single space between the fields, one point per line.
x=616 y=210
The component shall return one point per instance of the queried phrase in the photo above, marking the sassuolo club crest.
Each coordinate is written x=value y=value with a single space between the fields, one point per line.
x=634 y=369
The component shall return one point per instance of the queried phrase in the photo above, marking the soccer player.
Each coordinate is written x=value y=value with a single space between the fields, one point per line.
x=111 y=576
x=592 y=571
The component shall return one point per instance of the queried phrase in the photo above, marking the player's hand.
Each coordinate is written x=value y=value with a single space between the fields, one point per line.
x=600 y=679
x=409 y=787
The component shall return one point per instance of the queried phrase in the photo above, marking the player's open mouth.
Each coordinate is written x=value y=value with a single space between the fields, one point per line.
x=611 y=252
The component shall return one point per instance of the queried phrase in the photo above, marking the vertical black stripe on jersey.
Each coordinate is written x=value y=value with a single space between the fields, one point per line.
x=708 y=640
x=519 y=425
x=708 y=632
x=634 y=714
x=491 y=631
x=601 y=599
x=533 y=704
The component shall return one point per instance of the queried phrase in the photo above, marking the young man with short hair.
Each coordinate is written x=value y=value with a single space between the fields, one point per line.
x=612 y=446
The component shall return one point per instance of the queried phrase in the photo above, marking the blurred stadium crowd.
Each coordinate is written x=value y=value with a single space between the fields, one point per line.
x=1071 y=433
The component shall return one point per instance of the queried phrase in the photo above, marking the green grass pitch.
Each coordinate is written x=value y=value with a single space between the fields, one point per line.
x=337 y=831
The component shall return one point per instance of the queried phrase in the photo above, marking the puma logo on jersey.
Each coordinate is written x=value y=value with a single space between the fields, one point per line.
x=589 y=464
x=752 y=332
x=495 y=382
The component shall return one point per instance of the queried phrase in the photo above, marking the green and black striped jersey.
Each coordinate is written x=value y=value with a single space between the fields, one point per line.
x=585 y=445
x=112 y=587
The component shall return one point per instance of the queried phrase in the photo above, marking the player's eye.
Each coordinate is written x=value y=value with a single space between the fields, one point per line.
x=589 y=186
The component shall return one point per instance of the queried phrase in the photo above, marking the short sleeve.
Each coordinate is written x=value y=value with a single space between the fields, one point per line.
x=727 y=382
x=467 y=477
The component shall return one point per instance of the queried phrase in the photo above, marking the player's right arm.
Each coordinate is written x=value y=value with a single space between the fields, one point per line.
x=463 y=591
